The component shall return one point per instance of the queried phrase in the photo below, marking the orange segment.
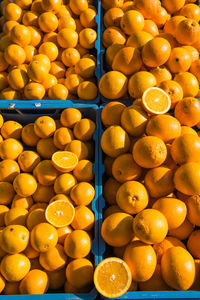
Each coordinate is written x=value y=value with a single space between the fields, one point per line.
x=156 y=101
x=112 y=277
x=64 y=161
x=60 y=213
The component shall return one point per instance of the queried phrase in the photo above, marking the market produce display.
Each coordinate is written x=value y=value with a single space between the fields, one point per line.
x=47 y=50
x=46 y=194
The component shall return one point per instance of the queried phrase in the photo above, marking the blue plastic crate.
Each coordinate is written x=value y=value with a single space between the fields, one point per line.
x=102 y=245
x=91 y=112
x=56 y=103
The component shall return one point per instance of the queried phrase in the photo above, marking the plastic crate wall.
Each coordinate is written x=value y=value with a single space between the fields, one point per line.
x=88 y=111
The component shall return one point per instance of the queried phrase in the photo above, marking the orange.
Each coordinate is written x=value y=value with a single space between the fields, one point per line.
x=84 y=170
x=83 y=218
x=72 y=83
x=43 y=193
x=8 y=25
x=113 y=85
x=170 y=38
x=13 y=12
x=54 y=259
x=43 y=237
x=48 y=22
x=127 y=60
x=44 y=59
x=187 y=111
x=179 y=60
x=9 y=169
x=183 y=231
x=193 y=209
x=35 y=217
x=34 y=90
x=78 y=6
x=112 y=277
x=14 y=55
x=87 y=38
x=14 y=239
x=187 y=32
x=28 y=160
x=171 y=24
x=188 y=82
x=84 y=129
x=124 y=168
x=10 y=94
x=161 y=74
x=112 y=17
x=82 y=193
x=3 y=62
x=63 y=233
x=195 y=285
x=10 y=149
x=191 y=11
x=167 y=243
x=70 y=57
x=11 y=288
x=46 y=148
x=150 y=226
x=193 y=243
x=37 y=71
x=173 y=6
x=57 y=69
x=132 y=197
x=25 y=184
x=44 y=126
x=173 y=209
x=111 y=51
x=2 y=283
x=139 y=39
x=67 y=38
x=187 y=130
x=165 y=127
x=139 y=82
x=20 y=35
x=113 y=118
x=49 y=81
x=79 y=273
x=113 y=35
x=24 y=4
x=110 y=189
x=87 y=18
x=14 y=267
x=141 y=259
x=46 y=173
x=185 y=178
x=6 y=193
x=3 y=210
x=62 y=137
x=58 y=91
x=64 y=183
x=30 y=51
x=156 y=101
x=85 y=67
x=131 y=22
x=56 y=279
x=3 y=80
x=51 y=37
x=117 y=229
x=30 y=18
x=51 y=5
x=173 y=89
x=159 y=181
x=156 y=52
x=115 y=141
x=60 y=213
x=134 y=120
x=30 y=252
x=176 y=261
x=151 y=27
x=66 y=22
x=35 y=282
x=87 y=90
x=49 y=49
x=11 y=129
x=18 y=79
x=193 y=52
x=36 y=35
x=185 y=149
x=160 y=16
x=195 y=68
x=77 y=244
x=70 y=116
x=16 y=216
x=149 y=152
x=79 y=148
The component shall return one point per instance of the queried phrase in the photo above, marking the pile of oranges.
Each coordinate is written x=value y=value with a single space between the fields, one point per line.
x=46 y=193
x=45 y=49
x=151 y=43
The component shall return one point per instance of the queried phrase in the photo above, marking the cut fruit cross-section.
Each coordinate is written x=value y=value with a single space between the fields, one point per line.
x=60 y=213
x=156 y=101
x=112 y=277
x=64 y=161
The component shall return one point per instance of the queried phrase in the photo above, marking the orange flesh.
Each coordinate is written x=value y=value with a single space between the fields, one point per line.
x=65 y=159
x=156 y=101
x=60 y=213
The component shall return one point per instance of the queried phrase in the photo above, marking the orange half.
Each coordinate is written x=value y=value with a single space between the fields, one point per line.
x=64 y=161
x=60 y=213
x=112 y=277
x=156 y=101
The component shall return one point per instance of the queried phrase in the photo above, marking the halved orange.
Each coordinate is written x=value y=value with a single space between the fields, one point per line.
x=60 y=213
x=112 y=277
x=64 y=161
x=156 y=101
